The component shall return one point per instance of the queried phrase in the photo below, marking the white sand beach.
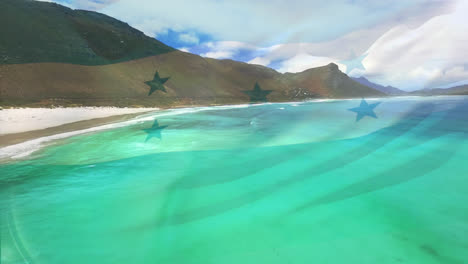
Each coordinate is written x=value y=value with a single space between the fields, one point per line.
x=20 y=120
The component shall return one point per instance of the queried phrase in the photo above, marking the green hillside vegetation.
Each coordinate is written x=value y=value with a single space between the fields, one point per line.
x=33 y=31
x=53 y=55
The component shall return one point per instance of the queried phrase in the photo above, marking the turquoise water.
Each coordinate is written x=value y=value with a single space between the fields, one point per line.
x=273 y=183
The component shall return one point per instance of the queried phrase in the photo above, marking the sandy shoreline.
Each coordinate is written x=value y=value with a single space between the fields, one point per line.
x=39 y=125
x=32 y=123
x=18 y=120
x=19 y=145
x=27 y=125
x=19 y=125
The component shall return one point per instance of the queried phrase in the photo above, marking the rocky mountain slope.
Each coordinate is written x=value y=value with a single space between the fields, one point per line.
x=390 y=90
x=33 y=31
x=86 y=58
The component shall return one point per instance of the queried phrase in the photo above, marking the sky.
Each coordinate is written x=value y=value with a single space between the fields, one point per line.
x=409 y=44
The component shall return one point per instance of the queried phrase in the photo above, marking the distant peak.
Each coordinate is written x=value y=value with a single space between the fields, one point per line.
x=360 y=78
x=333 y=66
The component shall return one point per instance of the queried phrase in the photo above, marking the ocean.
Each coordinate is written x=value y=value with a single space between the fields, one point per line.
x=302 y=182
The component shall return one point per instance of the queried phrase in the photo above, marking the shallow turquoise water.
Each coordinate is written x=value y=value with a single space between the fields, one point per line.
x=274 y=183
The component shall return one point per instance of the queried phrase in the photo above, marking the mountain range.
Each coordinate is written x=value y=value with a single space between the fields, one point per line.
x=457 y=90
x=54 y=55
x=390 y=90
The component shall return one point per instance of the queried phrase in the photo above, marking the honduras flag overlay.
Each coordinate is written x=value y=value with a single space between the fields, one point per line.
x=244 y=183
x=290 y=160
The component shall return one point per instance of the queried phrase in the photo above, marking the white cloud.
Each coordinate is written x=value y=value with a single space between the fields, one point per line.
x=431 y=55
x=302 y=53
x=264 y=22
x=91 y=4
x=225 y=49
x=293 y=57
x=184 y=49
x=218 y=54
x=229 y=45
x=337 y=28
x=260 y=61
x=302 y=62
x=189 y=38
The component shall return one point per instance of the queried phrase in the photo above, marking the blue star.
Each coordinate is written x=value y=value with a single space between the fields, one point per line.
x=364 y=109
x=154 y=131
x=157 y=83
x=355 y=63
x=257 y=94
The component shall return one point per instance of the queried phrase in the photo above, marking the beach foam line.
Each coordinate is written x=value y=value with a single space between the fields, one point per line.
x=26 y=148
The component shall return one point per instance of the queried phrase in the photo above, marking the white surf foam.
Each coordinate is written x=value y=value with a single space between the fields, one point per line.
x=25 y=149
